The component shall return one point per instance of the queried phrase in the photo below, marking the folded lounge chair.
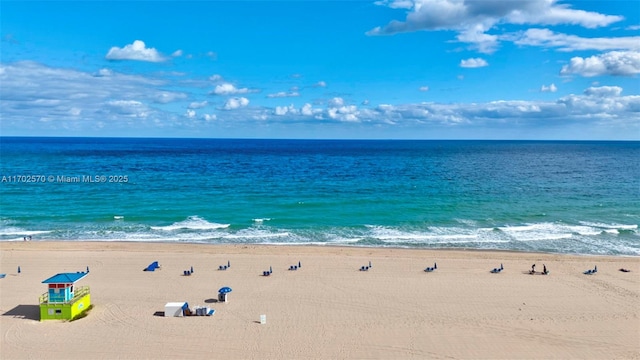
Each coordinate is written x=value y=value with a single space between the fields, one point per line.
x=431 y=269
x=591 y=272
x=497 y=270
x=267 y=273
x=152 y=267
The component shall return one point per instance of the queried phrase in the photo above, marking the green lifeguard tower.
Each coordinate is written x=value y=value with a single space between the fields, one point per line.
x=64 y=301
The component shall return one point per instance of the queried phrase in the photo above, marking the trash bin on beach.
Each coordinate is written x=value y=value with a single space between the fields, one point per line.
x=222 y=297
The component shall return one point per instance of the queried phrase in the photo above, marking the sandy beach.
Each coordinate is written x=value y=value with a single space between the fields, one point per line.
x=327 y=309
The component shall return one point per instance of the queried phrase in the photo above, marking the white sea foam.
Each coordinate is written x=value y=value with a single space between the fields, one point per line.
x=260 y=220
x=22 y=232
x=191 y=223
x=610 y=226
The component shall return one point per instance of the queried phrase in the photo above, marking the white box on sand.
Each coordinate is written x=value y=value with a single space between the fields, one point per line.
x=174 y=309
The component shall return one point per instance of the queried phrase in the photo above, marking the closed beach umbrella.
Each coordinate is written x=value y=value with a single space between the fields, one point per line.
x=224 y=290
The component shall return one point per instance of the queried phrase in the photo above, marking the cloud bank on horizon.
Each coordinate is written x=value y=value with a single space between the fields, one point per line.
x=484 y=69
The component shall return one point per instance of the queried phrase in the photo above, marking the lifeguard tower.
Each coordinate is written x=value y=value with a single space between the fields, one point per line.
x=64 y=301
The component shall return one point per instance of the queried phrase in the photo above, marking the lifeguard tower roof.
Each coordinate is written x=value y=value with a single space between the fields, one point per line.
x=65 y=278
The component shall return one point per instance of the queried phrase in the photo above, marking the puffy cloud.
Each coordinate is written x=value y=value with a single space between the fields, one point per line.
x=423 y=88
x=164 y=97
x=198 y=105
x=136 y=51
x=616 y=63
x=604 y=91
x=565 y=42
x=215 y=77
x=283 y=110
x=129 y=108
x=190 y=114
x=307 y=110
x=229 y=89
x=473 y=63
x=472 y=19
x=210 y=117
x=235 y=103
x=320 y=84
x=283 y=94
x=177 y=53
x=336 y=101
x=550 y=88
x=338 y=110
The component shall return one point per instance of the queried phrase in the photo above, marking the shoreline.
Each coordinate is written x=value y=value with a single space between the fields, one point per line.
x=327 y=309
x=311 y=246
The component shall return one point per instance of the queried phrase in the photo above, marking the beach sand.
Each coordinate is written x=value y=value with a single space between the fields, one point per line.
x=325 y=310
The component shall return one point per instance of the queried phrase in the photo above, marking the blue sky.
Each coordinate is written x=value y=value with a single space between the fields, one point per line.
x=387 y=69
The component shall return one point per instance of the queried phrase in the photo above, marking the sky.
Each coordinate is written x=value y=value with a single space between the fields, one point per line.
x=351 y=69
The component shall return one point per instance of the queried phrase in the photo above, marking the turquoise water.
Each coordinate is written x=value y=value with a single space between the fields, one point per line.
x=563 y=197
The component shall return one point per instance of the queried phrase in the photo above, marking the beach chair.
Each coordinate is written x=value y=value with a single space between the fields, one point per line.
x=497 y=270
x=267 y=273
x=154 y=265
x=431 y=269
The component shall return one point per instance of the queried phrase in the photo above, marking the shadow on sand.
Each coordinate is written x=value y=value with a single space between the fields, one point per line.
x=27 y=312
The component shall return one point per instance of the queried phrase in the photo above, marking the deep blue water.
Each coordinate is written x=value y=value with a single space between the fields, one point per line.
x=564 y=197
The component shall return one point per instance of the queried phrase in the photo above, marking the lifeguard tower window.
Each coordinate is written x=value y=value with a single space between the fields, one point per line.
x=58 y=311
x=71 y=288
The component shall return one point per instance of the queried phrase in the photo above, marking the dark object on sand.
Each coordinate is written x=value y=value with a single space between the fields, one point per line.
x=625 y=270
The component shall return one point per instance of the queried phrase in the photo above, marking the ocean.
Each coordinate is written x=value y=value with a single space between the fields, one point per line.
x=579 y=197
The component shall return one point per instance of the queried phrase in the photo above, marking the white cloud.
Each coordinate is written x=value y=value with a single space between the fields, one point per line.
x=165 y=97
x=68 y=101
x=215 y=77
x=235 y=103
x=136 y=51
x=423 y=88
x=283 y=94
x=564 y=42
x=320 y=84
x=307 y=110
x=105 y=72
x=550 y=88
x=616 y=63
x=198 y=105
x=473 y=63
x=336 y=101
x=177 y=53
x=473 y=19
x=284 y=110
x=129 y=108
x=604 y=91
x=229 y=89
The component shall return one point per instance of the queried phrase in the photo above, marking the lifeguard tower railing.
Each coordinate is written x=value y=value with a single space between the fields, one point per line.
x=78 y=294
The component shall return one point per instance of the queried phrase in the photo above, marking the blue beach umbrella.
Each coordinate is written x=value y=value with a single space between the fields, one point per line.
x=224 y=290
